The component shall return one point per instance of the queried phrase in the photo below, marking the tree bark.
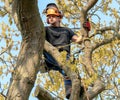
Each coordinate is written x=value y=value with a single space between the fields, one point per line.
x=75 y=78
x=32 y=31
x=87 y=61
x=42 y=94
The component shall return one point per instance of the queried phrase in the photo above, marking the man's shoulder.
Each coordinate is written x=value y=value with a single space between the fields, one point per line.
x=65 y=28
x=58 y=28
x=47 y=27
x=68 y=29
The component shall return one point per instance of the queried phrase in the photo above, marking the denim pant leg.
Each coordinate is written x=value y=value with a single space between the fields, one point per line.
x=52 y=64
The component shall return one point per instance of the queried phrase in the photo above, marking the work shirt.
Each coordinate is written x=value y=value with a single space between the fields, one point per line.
x=59 y=36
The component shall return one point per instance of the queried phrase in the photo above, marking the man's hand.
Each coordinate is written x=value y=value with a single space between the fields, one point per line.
x=79 y=39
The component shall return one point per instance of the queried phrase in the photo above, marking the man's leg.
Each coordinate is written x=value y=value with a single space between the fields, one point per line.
x=68 y=86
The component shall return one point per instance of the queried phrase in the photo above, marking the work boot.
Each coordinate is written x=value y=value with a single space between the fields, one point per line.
x=68 y=86
x=69 y=89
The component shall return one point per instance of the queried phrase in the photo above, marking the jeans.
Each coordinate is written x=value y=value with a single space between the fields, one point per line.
x=53 y=65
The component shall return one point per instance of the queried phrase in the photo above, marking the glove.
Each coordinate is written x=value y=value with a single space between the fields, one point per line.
x=86 y=25
x=79 y=39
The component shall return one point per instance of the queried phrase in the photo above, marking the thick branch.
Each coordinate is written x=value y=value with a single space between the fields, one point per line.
x=106 y=41
x=98 y=88
x=73 y=76
x=101 y=31
x=42 y=94
x=87 y=50
x=108 y=28
x=2 y=96
x=90 y=4
x=7 y=6
x=54 y=52
x=28 y=63
x=83 y=14
x=87 y=58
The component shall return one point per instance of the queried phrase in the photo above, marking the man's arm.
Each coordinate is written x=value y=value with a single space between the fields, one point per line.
x=77 y=39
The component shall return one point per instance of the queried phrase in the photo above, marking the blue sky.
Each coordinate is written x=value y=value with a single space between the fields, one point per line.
x=42 y=4
x=5 y=79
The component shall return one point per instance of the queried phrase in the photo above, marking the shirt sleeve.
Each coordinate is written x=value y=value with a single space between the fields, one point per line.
x=71 y=33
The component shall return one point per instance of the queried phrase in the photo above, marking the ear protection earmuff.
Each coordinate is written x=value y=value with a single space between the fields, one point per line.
x=48 y=21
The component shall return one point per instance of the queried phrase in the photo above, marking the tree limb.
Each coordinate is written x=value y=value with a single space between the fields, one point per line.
x=73 y=76
x=107 y=28
x=106 y=41
x=42 y=94
x=97 y=88
x=7 y=6
x=32 y=31
x=89 y=5
x=102 y=30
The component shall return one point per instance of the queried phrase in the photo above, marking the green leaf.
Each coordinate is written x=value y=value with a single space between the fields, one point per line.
x=119 y=81
x=1 y=71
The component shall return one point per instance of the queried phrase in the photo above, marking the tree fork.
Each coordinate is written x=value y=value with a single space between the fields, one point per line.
x=26 y=13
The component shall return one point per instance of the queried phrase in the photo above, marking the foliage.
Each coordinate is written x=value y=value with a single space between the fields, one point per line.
x=105 y=59
x=9 y=46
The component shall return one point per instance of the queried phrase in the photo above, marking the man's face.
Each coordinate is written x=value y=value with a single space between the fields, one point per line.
x=53 y=19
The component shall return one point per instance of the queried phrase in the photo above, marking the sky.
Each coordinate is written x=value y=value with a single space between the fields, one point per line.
x=42 y=4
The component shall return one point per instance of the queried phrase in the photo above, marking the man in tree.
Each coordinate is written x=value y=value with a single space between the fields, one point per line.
x=59 y=37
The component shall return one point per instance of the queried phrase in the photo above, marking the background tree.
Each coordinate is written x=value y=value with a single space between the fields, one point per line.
x=97 y=63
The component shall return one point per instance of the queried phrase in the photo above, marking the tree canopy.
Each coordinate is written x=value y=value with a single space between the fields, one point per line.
x=93 y=64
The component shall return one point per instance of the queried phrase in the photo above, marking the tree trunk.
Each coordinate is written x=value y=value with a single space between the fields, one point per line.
x=28 y=63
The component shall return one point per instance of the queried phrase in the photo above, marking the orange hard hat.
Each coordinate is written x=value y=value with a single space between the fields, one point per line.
x=52 y=11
